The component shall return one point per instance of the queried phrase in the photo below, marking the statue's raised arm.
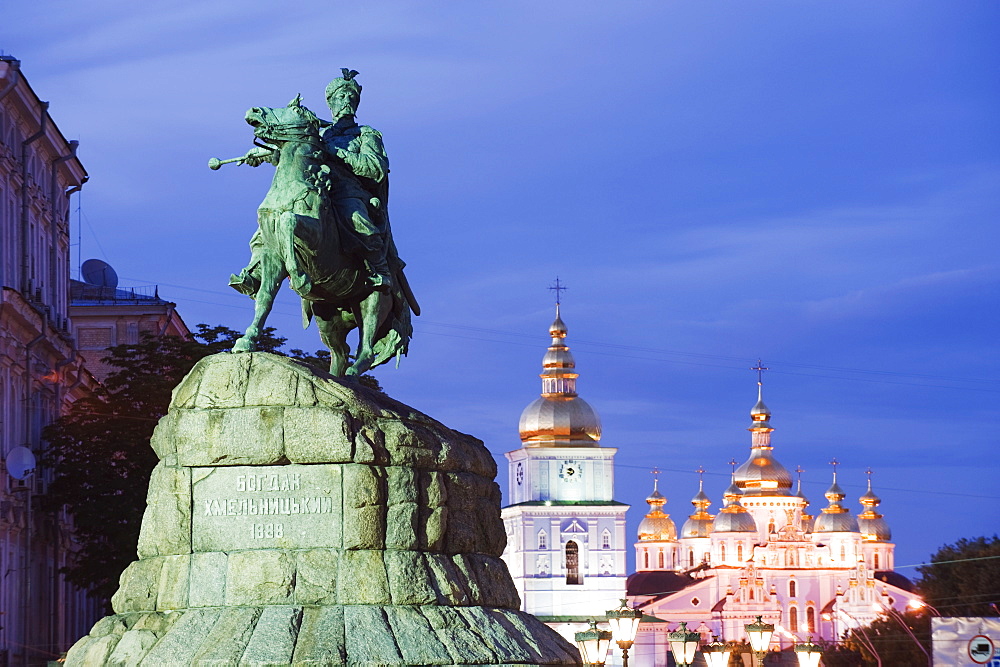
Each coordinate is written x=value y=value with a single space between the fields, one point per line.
x=324 y=225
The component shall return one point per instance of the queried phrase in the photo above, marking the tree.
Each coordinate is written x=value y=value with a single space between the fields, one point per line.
x=894 y=645
x=99 y=452
x=963 y=579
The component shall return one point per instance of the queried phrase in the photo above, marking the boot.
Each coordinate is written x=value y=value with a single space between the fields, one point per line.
x=378 y=272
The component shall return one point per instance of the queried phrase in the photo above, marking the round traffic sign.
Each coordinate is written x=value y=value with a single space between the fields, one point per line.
x=981 y=649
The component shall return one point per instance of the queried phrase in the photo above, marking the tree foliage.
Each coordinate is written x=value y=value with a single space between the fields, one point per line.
x=891 y=641
x=963 y=579
x=99 y=452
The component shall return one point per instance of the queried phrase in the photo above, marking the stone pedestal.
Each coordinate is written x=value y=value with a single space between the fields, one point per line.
x=298 y=519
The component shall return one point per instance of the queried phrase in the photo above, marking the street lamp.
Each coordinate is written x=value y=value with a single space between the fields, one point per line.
x=760 y=637
x=808 y=653
x=593 y=645
x=683 y=645
x=624 y=622
x=920 y=604
x=716 y=653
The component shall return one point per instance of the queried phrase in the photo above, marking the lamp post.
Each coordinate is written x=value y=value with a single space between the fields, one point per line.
x=808 y=653
x=760 y=637
x=863 y=638
x=683 y=645
x=716 y=653
x=624 y=622
x=593 y=645
x=889 y=611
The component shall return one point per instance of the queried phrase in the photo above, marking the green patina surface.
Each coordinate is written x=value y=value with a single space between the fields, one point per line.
x=324 y=225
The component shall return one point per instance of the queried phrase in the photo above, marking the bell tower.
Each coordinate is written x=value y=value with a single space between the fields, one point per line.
x=565 y=532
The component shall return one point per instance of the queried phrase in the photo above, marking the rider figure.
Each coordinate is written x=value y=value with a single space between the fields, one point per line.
x=359 y=187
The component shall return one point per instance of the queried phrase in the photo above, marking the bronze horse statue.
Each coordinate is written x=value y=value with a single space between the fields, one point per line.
x=299 y=237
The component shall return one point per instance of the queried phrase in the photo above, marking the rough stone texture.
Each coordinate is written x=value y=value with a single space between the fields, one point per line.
x=168 y=513
x=299 y=519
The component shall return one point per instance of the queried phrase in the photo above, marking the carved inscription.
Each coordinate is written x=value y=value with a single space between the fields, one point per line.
x=261 y=507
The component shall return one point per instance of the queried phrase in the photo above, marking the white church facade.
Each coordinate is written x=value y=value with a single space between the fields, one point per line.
x=763 y=555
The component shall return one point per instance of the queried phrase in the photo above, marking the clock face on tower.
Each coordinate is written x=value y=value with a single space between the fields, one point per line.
x=519 y=474
x=570 y=471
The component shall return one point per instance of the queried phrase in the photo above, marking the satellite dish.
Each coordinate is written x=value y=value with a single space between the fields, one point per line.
x=98 y=272
x=20 y=462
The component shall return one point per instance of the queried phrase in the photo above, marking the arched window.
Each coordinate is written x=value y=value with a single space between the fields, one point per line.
x=739 y=552
x=659 y=559
x=843 y=552
x=573 y=563
x=645 y=560
x=722 y=552
x=751 y=593
x=690 y=557
x=673 y=560
x=810 y=619
x=791 y=588
x=606 y=539
x=543 y=540
x=876 y=560
x=793 y=619
x=770 y=526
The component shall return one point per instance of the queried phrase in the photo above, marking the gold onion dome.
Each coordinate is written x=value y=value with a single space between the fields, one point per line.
x=872 y=525
x=657 y=526
x=733 y=517
x=835 y=517
x=761 y=474
x=559 y=418
x=699 y=524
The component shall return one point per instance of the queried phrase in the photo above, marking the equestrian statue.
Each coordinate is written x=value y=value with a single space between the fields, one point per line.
x=324 y=225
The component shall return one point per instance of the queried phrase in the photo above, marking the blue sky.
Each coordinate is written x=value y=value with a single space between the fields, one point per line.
x=815 y=184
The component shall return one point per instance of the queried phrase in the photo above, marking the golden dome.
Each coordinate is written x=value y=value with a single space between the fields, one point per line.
x=657 y=526
x=559 y=418
x=761 y=474
x=700 y=523
x=872 y=525
x=733 y=518
x=835 y=517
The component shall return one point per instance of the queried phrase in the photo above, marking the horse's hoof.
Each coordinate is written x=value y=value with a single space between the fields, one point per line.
x=244 y=344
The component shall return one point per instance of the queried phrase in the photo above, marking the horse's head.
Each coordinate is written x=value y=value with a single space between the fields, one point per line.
x=282 y=124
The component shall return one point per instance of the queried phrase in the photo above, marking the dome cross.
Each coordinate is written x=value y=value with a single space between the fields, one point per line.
x=558 y=288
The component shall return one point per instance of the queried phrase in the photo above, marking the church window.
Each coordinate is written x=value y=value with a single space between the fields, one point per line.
x=791 y=588
x=673 y=560
x=770 y=526
x=573 y=563
x=739 y=552
x=690 y=557
x=876 y=560
x=810 y=619
x=722 y=552
x=751 y=594
x=695 y=602
x=843 y=552
x=543 y=540
x=645 y=560
x=793 y=619
x=606 y=539
x=659 y=560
